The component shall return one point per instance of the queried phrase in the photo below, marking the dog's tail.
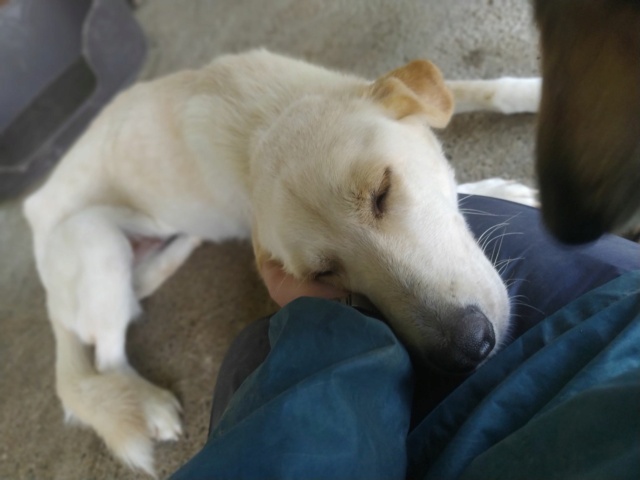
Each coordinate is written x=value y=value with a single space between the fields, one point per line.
x=107 y=402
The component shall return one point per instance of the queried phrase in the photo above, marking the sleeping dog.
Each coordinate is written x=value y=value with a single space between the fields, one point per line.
x=324 y=171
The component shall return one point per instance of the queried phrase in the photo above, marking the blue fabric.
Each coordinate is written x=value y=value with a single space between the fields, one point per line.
x=562 y=401
x=332 y=400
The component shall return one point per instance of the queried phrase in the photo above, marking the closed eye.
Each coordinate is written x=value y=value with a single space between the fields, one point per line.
x=379 y=197
x=380 y=203
x=327 y=269
x=323 y=274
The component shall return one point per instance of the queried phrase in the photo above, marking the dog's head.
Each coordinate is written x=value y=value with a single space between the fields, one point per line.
x=588 y=146
x=356 y=191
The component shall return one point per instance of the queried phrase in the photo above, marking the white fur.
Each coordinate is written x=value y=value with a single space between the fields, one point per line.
x=252 y=140
x=504 y=189
x=503 y=95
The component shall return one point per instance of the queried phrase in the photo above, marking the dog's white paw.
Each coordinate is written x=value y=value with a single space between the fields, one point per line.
x=162 y=412
x=163 y=419
x=503 y=189
x=517 y=95
x=127 y=411
x=159 y=413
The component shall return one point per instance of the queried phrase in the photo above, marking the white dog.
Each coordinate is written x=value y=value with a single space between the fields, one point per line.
x=331 y=175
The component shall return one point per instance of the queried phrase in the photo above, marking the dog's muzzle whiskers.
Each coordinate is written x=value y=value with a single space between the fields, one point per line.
x=491 y=242
x=502 y=265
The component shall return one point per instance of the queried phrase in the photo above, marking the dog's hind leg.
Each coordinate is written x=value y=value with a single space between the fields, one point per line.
x=159 y=262
x=86 y=267
x=504 y=95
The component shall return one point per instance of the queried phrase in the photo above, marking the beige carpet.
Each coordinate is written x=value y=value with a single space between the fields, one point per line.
x=188 y=324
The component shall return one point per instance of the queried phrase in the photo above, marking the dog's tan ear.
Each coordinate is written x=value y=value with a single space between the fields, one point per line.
x=415 y=89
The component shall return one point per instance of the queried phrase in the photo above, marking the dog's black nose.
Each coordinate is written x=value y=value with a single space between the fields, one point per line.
x=476 y=337
x=470 y=340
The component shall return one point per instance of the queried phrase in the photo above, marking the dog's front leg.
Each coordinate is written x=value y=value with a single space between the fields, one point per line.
x=86 y=267
x=160 y=263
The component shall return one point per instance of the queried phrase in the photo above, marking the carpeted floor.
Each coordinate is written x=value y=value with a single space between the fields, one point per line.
x=188 y=324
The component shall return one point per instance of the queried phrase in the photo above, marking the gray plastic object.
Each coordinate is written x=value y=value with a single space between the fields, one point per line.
x=60 y=63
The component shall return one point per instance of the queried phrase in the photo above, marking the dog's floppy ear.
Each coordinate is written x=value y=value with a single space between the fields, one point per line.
x=415 y=89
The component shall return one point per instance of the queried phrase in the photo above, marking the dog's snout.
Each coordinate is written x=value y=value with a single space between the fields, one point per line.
x=470 y=338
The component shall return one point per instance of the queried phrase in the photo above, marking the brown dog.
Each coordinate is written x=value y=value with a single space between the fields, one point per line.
x=588 y=153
